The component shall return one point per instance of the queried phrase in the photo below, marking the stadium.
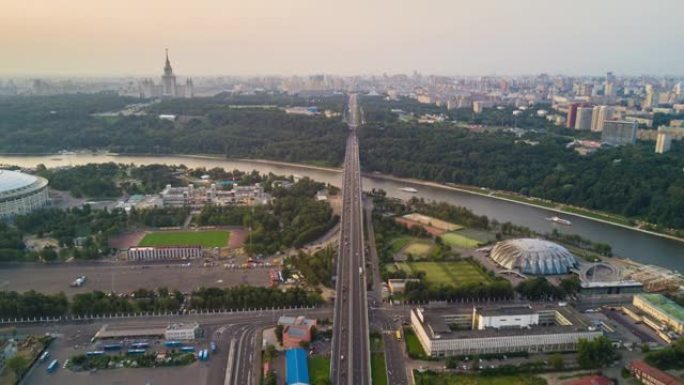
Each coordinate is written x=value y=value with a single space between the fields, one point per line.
x=533 y=256
x=21 y=193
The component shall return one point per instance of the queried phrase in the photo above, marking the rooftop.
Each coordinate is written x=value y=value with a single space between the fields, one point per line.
x=15 y=181
x=297 y=368
x=665 y=305
x=510 y=310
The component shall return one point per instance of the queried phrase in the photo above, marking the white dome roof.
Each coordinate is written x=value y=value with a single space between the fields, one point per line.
x=533 y=256
x=14 y=182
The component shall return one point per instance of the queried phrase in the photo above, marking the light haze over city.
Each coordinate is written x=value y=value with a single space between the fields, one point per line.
x=208 y=37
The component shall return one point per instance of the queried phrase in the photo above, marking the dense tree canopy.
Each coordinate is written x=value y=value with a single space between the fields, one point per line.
x=632 y=180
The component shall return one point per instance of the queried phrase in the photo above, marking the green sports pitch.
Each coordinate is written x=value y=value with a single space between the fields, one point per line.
x=185 y=238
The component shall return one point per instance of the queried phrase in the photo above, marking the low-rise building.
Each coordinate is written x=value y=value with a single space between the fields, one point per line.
x=646 y=374
x=296 y=330
x=180 y=331
x=398 y=286
x=662 y=309
x=296 y=367
x=164 y=253
x=504 y=329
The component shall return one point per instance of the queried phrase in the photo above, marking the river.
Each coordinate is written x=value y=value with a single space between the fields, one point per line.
x=642 y=247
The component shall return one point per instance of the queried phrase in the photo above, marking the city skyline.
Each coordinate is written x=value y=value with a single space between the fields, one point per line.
x=79 y=38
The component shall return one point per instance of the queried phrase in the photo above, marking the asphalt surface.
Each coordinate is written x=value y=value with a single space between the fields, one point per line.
x=123 y=277
x=350 y=363
x=236 y=362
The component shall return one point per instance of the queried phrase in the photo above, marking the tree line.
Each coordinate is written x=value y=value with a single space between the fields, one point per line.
x=33 y=304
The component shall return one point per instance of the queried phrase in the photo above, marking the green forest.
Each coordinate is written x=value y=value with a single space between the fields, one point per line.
x=631 y=181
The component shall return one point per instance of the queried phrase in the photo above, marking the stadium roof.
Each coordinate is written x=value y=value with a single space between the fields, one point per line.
x=297 y=370
x=14 y=182
x=533 y=256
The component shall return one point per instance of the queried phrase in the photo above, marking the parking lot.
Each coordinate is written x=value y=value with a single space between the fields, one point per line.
x=75 y=339
x=125 y=277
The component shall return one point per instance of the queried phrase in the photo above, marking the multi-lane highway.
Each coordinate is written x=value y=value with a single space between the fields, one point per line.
x=350 y=363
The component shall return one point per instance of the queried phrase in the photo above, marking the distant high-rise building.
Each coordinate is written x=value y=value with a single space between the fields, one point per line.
x=168 y=88
x=584 y=115
x=652 y=97
x=619 y=132
x=609 y=85
x=572 y=116
x=663 y=141
x=598 y=117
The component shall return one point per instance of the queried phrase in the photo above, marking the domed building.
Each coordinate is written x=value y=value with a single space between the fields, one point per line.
x=533 y=256
x=21 y=193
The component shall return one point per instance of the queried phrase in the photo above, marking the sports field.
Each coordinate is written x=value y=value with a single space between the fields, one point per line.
x=319 y=369
x=459 y=240
x=444 y=273
x=418 y=248
x=185 y=238
x=399 y=243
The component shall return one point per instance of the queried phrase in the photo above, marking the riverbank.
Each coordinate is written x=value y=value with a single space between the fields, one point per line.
x=599 y=217
x=546 y=205
x=559 y=208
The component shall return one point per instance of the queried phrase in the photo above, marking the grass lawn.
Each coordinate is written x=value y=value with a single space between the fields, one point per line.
x=418 y=248
x=378 y=373
x=319 y=369
x=453 y=273
x=186 y=238
x=399 y=243
x=413 y=346
x=460 y=240
x=432 y=378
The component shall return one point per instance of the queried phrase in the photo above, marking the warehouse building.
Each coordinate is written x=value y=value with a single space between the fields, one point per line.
x=662 y=309
x=21 y=193
x=498 y=330
x=649 y=375
x=164 y=253
x=297 y=367
x=183 y=332
x=174 y=331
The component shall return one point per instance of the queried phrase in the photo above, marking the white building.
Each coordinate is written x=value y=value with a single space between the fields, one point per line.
x=21 y=193
x=505 y=318
x=584 y=118
x=164 y=253
x=182 y=332
x=168 y=88
x=454 y=332
x=663 y=142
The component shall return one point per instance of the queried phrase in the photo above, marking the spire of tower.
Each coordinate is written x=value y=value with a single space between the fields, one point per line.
x=167 y=66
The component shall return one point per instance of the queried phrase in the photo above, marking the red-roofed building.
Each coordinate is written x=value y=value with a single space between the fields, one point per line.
x=649 y=375
x=591 y=380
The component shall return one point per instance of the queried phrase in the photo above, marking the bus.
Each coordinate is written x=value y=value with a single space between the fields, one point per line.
x=187 y=349
x=95 y=353
x=398 y=335
x=53 y=366
x=110 y=347
x=136 y=352
x=172 y=344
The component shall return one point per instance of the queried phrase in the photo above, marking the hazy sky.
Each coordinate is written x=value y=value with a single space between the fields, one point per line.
x=450 y=37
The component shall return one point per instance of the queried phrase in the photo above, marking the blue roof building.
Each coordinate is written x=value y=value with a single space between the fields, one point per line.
x=297 y=369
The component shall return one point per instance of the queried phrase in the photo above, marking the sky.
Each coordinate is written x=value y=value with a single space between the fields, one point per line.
x=285 y=37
